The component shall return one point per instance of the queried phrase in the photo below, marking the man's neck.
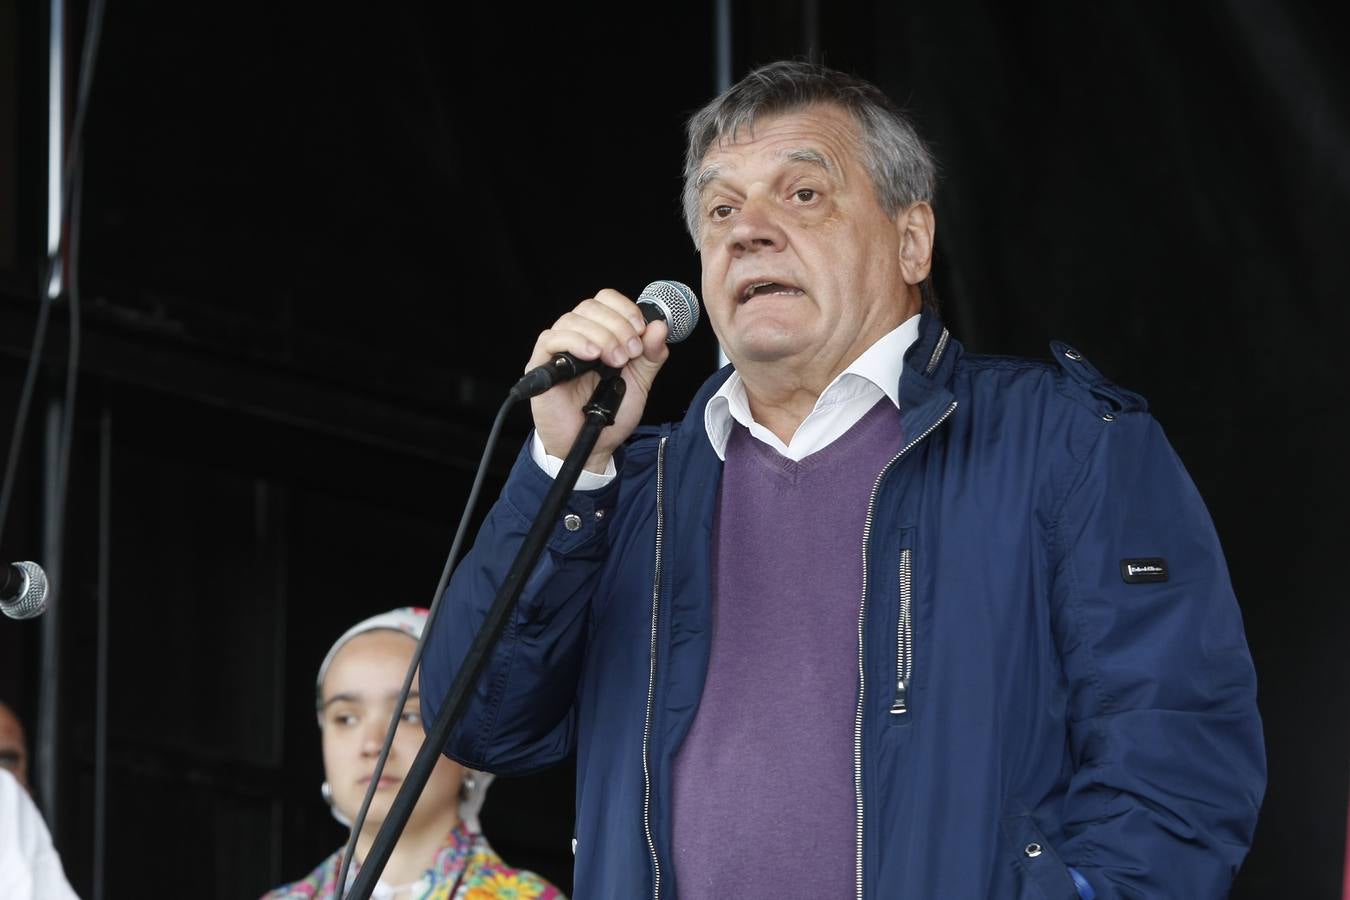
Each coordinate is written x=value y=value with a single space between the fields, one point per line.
x=781 y=393
x=782 y=411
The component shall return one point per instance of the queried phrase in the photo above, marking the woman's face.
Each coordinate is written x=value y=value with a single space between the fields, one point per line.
x=359 y=693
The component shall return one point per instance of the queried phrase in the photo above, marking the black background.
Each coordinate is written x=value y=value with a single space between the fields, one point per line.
x=317 y=244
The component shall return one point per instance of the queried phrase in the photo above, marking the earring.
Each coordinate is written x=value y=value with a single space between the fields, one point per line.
x=467 y=785
x=326 y=792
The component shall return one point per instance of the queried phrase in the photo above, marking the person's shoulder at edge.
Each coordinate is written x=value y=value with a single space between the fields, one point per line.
x=23 y=834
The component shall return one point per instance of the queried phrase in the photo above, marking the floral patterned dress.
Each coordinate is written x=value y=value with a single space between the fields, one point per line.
x=466 y=868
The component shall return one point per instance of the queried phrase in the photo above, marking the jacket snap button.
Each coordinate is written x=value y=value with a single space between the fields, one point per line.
x=572 y=522
x=1033 y=850
x=1073 y=354
x=1108 y=417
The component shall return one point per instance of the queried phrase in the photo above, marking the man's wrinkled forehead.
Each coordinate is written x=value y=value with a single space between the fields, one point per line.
x=810 y=155
x=817 y=134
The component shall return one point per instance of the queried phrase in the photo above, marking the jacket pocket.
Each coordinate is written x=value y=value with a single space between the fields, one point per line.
x=1039 y=873
x=902 y=697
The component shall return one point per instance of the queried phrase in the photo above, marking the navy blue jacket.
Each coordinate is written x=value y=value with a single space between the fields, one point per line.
x=1052 y=678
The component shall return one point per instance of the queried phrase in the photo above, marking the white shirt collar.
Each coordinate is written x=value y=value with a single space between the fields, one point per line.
x=874 y=374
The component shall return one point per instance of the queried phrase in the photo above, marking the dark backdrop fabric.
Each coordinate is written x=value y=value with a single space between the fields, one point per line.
x=319 y=243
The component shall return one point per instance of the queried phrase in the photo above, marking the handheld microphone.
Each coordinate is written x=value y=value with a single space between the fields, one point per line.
x=23 y=590
x=671 y=302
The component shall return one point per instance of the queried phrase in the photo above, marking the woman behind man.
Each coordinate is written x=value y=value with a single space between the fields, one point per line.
x=442 y=854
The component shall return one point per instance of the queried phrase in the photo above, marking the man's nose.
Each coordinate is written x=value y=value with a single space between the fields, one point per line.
x=757 y=228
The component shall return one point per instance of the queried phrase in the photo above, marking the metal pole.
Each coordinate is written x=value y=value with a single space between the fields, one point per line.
x=56 y=123
x=811 y=29
x=49 y=667
x=599 y=412
x=722 y=39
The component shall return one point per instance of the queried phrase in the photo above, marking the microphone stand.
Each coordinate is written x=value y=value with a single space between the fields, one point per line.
x=599 y=412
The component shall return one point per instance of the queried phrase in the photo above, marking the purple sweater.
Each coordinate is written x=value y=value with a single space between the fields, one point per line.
x=763 y=783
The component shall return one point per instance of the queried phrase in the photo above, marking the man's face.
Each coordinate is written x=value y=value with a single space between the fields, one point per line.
x=13 y=752
x=359 y=692
x=801 y=265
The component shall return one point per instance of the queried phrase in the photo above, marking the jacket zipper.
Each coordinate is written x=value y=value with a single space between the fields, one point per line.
x=862 y=614
x=651 y=675
x=904 y=636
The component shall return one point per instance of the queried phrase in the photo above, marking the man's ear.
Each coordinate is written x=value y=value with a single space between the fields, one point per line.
x=918 y=228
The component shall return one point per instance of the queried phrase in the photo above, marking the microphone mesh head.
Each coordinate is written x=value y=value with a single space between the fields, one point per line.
x=33 y=601
x=678 y=304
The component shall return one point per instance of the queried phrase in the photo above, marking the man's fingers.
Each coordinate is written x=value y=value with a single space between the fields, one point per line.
x=562 y=340
x=618 y=318
x=595 y=329
x=620 y=304
x=654 y=340
x=610 y=328
x=585 y=339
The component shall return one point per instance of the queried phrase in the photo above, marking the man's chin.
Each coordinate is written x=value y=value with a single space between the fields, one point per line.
x=766 y=347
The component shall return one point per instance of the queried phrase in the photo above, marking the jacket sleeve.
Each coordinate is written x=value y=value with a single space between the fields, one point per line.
x=1169 y=762
x=520 y=715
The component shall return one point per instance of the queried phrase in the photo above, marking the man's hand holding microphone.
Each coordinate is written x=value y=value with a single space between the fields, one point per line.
x=609 y=330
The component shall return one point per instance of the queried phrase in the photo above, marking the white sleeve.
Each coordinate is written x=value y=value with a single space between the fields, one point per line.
x=30 y=868
x=586 y=481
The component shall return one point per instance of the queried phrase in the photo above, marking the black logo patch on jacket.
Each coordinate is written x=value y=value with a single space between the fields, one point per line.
x=1135 y=571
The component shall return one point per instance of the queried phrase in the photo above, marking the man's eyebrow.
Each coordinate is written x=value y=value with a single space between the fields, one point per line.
x=809 y=156
x=805 y=154
x=707 y=175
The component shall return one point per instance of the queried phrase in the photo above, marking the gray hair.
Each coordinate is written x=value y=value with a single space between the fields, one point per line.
x=902 y=170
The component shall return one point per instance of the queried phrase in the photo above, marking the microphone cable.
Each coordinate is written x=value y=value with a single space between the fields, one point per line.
x=433 y=611
x=680 y=309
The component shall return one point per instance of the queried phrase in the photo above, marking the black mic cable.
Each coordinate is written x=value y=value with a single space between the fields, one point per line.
x=674 y=303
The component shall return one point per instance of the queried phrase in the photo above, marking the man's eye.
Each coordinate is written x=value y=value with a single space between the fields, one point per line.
x=805 y=195
x=721 y=212
x=412 y=717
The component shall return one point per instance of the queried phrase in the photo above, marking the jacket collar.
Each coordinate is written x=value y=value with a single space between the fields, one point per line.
x=926 y=377
x=923 y=392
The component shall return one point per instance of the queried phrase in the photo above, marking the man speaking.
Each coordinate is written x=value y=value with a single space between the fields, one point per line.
x=879 y=618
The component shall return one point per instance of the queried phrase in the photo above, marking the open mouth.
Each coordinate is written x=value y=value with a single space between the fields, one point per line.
x=769 y=288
